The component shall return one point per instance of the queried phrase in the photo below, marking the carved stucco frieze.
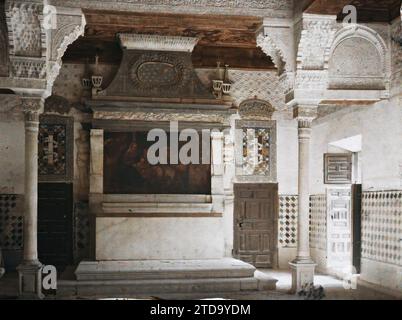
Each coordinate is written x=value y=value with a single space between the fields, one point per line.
x=161 y=116
x=25 y=67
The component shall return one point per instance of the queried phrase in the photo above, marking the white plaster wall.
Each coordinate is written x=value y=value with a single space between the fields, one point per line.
x=159 y=238
x=381 y=128
x=287 y=156
x=12 y=157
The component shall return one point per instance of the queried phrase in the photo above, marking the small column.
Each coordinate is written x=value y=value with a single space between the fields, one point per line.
x=95 y=184
x=217 y=170
x=30 y=280
x=303 y=266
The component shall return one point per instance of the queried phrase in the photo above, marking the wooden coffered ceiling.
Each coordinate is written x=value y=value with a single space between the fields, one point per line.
x=367 y=10
x=229 y=39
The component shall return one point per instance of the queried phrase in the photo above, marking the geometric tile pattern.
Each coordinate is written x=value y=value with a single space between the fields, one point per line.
x=382 y=226
x=287 y=223
x=11 y=221
x=318 y=221
x=81 y=231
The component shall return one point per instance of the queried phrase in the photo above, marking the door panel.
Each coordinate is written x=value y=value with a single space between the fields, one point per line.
x=255 y=224
x=55 y=223
x=339 y=228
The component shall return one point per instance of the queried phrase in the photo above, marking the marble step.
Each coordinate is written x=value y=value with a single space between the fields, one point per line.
x=145 y=207
x=163 y=269
x=127 y=288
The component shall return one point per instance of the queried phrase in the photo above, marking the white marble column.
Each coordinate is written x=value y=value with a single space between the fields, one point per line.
x=303 y=266
x=30 y=270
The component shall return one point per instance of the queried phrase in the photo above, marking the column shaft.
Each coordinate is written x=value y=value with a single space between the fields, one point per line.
x=303 y=248
x=31 y=188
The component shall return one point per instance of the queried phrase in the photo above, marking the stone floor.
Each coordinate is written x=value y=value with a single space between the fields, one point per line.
x=333 y=287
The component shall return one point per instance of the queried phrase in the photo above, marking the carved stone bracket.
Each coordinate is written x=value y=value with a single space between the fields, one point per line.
x=268 y=46
x=70 y=26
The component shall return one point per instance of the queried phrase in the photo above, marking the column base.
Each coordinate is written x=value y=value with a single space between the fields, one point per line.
x=30 y=280
x=302 y=273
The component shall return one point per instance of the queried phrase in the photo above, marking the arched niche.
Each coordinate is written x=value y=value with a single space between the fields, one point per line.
x=357 y=60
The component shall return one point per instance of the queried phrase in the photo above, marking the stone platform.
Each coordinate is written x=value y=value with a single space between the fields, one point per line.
x=153 y=277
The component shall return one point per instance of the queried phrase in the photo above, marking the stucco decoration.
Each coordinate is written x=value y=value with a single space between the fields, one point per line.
x=256 y=109
x=24 y=27
x=315 y=42
x=358 y=59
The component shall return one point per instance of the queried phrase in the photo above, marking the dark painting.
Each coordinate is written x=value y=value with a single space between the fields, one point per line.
x=127 y=170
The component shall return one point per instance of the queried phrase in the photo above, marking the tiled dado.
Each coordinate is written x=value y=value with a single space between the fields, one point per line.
x=382 y=226
x=287 y=222
x=11 y=221
x=318 y=221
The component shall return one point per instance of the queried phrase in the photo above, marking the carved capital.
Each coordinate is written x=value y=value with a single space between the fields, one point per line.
x=305 y=116
x=32 y=107
x=305 y=113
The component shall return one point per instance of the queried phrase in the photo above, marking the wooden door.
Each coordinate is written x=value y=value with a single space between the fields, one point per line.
x=357 y=225
x=255 y=224
x=55 y=223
